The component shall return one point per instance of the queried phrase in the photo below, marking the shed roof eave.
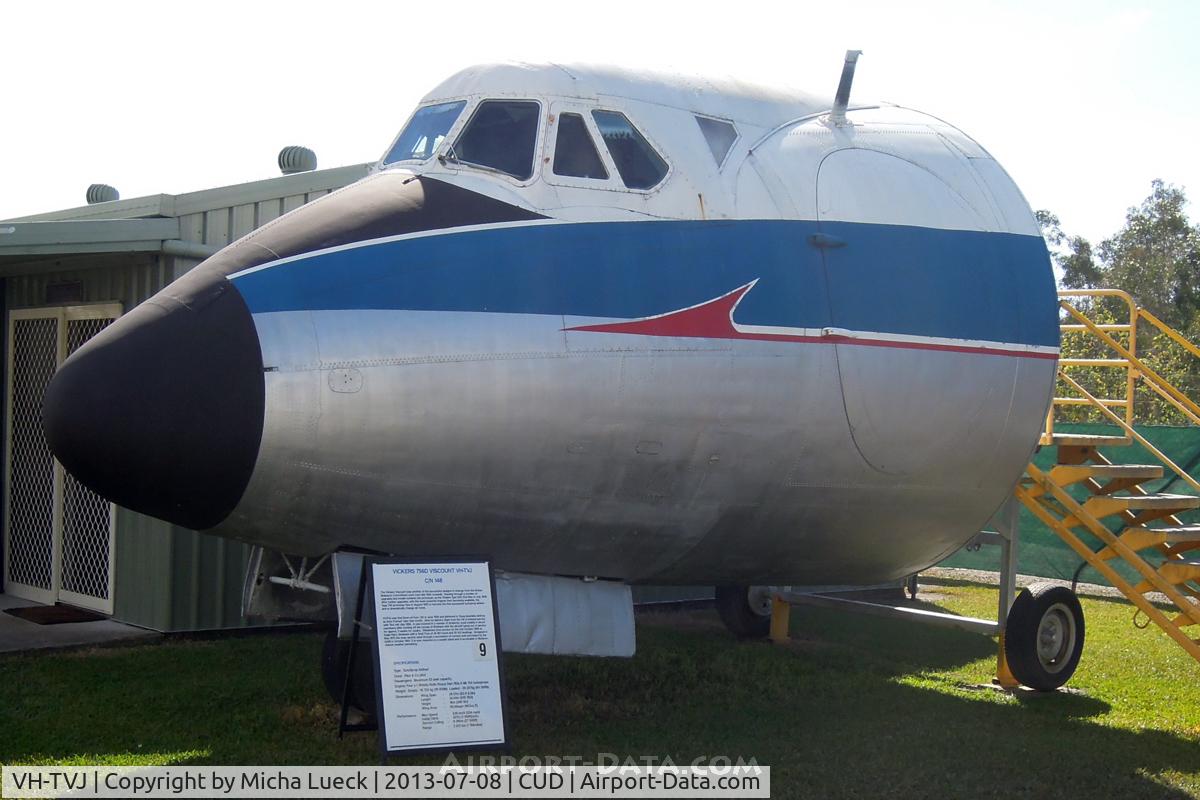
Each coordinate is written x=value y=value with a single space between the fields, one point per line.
x=167 y=205
x=20 y=240
x=154 y=205
x=50 y=233
x=139 y=246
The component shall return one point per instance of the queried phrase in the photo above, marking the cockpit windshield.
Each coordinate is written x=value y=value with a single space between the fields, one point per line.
x=424 y=132
x=501 y=135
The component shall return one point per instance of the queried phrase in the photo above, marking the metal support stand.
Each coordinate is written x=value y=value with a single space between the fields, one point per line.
x=1005 y=535
x=781 y=618
x=1008 y=529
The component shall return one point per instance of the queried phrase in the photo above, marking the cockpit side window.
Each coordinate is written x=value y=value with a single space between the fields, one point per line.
x=720 y=136
x=575 y=153
x=424 y=132
x=502 y=135
x=640 y=166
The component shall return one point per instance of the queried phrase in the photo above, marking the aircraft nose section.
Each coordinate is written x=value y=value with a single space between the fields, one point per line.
x=162 y=411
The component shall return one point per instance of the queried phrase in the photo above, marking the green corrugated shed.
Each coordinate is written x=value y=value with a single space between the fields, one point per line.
x=164 y=577
x=172 y=579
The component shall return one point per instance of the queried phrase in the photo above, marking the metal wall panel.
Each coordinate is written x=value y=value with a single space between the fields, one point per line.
x=142 y=590
x=206 y=581
x=125 y=278
x=218 y=227
x=242 y=220
x=173 y=579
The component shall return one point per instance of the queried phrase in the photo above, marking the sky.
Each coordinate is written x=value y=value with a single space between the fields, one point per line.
x=1084 y=103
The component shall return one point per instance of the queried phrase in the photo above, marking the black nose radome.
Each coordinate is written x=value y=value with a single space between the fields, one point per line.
x=162 y=412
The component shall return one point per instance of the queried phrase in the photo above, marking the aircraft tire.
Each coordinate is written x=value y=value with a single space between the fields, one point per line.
x=743 y=621
x=335 y=658
x=1043 y=636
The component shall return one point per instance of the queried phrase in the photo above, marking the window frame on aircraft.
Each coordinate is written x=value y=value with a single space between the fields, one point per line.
x=704 y=132
x=640 y=133
x=558 y=122
x=454 y=158
x=465 y=102
x=558 y=108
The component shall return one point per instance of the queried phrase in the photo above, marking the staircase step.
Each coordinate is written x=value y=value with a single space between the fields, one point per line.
x=1139 y=537
x=1139 y=502
x=1065 y=474
x=1184 y=619
x=1175 y=573
x=1177 y=533
x=1090 y=440
x=1111 y=471
x=1111 y=478
x=1150 y=506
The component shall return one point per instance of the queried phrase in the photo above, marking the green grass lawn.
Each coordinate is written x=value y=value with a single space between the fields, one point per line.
x=854 y=707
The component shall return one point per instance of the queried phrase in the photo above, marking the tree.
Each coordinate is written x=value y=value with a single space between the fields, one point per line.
x=1072 y=254
x=1156 y=258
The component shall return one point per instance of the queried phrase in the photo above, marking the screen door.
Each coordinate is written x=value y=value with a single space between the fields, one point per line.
x=58 y=534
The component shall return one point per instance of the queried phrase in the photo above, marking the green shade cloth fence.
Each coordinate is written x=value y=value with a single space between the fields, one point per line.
x=1042 y=553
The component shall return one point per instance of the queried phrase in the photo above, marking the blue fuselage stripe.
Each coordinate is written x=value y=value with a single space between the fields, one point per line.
x=893 y=279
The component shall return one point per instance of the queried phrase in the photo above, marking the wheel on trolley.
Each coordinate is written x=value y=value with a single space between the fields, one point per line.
x=745 y=610
x=1043 y=636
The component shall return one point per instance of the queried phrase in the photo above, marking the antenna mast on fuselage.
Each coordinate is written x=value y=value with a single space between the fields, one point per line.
x=838 y=115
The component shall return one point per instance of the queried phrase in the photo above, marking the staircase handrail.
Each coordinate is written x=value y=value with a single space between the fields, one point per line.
x=1169 y=331
x=1131 y=432
x=1137 y=367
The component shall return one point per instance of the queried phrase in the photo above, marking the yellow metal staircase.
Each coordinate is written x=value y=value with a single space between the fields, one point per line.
x=1100 y=508
x=1134 y=537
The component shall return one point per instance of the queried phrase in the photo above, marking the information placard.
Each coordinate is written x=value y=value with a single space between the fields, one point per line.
x=438 y=676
